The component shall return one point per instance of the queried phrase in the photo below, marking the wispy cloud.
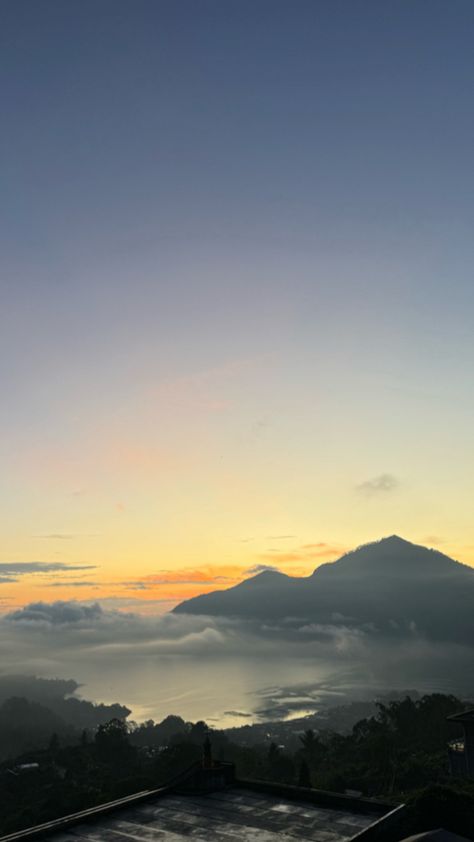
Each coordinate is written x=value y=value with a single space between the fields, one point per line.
x=381 y=484
x=202 y=390
x=65 y=536
x=304 y=553
x=434 y=539
x=12 y=571
x=187 y=576
x=261 y=568
x=68 y=584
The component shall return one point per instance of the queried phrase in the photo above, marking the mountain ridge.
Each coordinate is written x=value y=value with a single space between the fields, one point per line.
x=387 y=584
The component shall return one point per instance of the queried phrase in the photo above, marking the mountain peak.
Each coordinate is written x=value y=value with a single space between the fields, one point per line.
x=264 y=577
x=393 y=539
x=393 y=555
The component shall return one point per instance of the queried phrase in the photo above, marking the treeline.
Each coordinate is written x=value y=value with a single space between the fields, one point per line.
x=402 y=747
x=391 y=755
x=32 y=709
x=41 y=785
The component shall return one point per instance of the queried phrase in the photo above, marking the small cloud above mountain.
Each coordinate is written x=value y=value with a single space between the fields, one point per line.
x=381 y=484
x=261 y=568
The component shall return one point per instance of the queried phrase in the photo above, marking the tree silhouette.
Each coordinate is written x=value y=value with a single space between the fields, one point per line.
x=112 y=741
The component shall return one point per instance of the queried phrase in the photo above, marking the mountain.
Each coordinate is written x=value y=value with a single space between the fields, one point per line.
x=390 y=585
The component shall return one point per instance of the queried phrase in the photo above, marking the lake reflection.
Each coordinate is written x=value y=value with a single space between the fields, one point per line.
x=228 y=692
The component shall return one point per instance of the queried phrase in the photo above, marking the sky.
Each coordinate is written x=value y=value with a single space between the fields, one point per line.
x=236 y=283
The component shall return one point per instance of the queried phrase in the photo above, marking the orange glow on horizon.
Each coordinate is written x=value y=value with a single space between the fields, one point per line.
x=160 y=590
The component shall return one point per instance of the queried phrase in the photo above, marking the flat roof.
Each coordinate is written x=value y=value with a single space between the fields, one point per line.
x=465 y=716
x=234 y=815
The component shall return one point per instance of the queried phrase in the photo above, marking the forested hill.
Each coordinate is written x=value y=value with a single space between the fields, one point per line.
x=32 y=709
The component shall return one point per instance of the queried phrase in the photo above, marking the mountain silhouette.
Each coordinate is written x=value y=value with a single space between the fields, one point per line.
x=390 y=586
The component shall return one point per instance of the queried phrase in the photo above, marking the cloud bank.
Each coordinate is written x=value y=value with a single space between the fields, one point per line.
x=90 y=641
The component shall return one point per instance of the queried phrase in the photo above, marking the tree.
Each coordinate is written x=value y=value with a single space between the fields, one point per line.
x=112 y=741
x=310 y=743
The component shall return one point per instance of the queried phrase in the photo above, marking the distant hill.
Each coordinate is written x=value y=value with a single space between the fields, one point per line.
x=57 y=695
x=390 y=586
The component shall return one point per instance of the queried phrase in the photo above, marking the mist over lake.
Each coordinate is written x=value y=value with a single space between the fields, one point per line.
x=238 y=691
x=226 y=671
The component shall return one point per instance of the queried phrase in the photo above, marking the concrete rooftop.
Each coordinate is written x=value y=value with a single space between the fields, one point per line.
x=234 y=815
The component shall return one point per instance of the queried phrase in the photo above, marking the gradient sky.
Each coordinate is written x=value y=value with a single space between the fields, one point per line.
x=237 y=291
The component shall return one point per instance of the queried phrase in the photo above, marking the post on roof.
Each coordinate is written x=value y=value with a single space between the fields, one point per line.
x=207 y=754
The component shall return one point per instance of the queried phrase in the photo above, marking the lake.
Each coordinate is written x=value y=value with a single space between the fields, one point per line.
x=228 y=692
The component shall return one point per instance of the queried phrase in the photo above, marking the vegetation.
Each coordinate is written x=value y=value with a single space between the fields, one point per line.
x=395 y=754
x=31 y=709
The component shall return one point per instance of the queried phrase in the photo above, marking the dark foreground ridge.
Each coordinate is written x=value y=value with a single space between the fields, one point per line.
x=391 y=587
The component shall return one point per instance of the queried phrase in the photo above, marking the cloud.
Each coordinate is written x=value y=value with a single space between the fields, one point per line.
x=319 y=546
x=56 y=613
x=306 y=553
x=279 y=537
x=261 y=568
x=120 y=651
x=237 y=713
x=12 y=571
x=189 y=576
x=65 y=536
x=137 y=603
x=86 y=632
x=68 y=584
x=205 y=390
x=434 y=539
x=92 y=631
x=381 y=484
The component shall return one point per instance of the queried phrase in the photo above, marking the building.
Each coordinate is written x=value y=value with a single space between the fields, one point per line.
x=208 y=803
x=461 y=750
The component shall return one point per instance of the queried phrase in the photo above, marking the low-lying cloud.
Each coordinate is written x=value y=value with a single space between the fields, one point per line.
x=83 y=640
x=56 y=613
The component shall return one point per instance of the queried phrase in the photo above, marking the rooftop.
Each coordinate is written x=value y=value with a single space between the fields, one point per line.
x=244 y=811
x=229 y=816
x=465 y=716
